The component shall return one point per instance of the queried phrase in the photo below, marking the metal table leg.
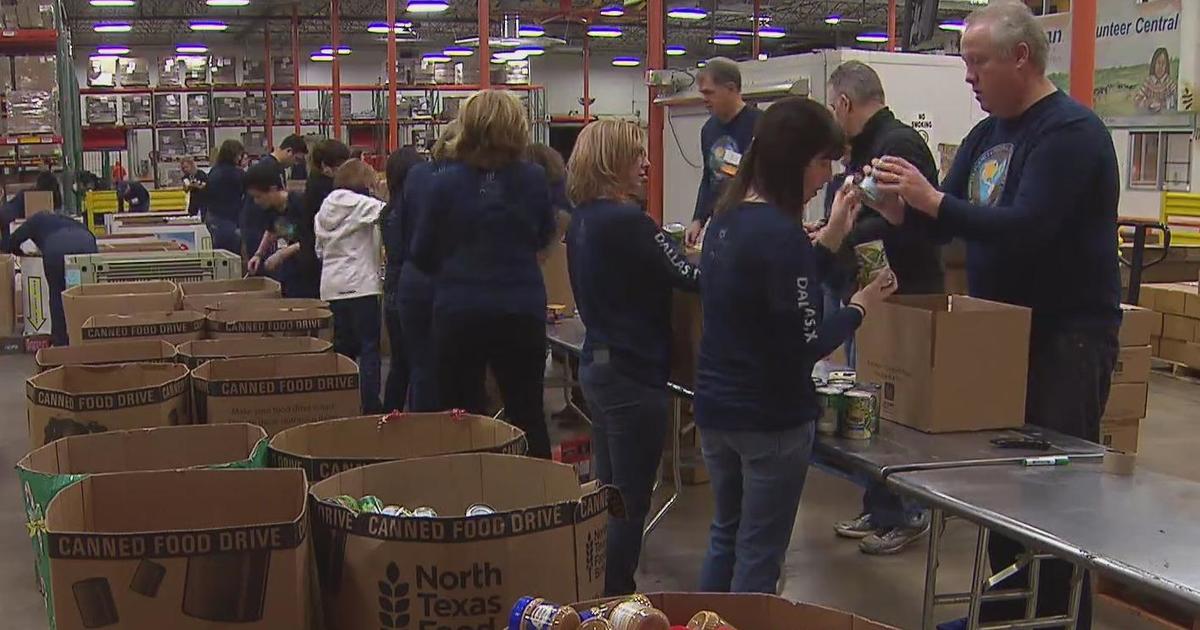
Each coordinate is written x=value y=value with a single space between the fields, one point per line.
x=676 y=427
x=936 y=527
x=977 y=579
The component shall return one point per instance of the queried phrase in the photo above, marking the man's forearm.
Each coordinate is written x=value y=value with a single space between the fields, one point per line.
x=268 y=239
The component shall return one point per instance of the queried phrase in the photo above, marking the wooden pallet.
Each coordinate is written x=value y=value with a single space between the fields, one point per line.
x=1177 y=370
x=1149 y=610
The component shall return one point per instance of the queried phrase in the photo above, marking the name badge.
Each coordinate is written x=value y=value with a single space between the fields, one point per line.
x=730 y=162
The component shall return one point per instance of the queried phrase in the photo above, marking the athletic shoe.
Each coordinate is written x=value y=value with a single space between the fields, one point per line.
x=893 y=540
x=857 y=528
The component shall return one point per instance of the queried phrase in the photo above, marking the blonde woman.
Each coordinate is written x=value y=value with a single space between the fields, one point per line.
x=623 y=269
x=489 y=214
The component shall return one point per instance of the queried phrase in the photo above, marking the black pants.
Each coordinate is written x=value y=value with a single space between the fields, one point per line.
x=356 y=334
x=1069 y=378
x=395 y=389
x=514 y=346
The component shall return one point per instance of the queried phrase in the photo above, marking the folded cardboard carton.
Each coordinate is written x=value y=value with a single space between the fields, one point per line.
x=197 y=295
x=1181 y=328
x=107 y=353
x=1126 y=400
x=270 y=322
x=123 y=298
x=1139 y=325
x=547 y=536
x=44 y=472
x=183 y=549
x=326 y=448
x=1120 y=433
x=8 y=295
x=938 y=371
x=171 y=326
x=752 y=611
x=1178 y=298
x=78 y=399
x=277 y=392
x=1133 y=365
x=1181 y=352
x=250 y=302
x=195 y=353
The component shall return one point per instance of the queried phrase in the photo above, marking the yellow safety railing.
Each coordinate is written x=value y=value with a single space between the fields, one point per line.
x=98 y=203
x=1181 y=213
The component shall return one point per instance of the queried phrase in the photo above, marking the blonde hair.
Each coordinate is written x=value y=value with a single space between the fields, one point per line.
x=355 y=174
x=494 y=130
x=443 y=147
x=604 y=152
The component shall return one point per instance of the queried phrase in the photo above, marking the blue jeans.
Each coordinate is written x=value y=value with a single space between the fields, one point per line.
x=395 y=388
x=757 y=479
x=416 y=322
x=224 y=234
x=889 y=510
x=356 y=335
x=629 y=427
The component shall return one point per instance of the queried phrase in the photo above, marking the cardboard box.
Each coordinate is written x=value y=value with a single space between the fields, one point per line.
x=547 y=537
x=1180 y=298
x=324 y=449
x=38 y=201
x=78 y=399
x=1181 y=352
x=1156 y=346
x=124 y=298
x=937 y=373
x=752 y=611
x=1180 y=328
x=107 y=353
x=1133 y=365
x=171 y=326
x=1120 y=434
x=35 y=296
x=277 y=393
x=554 y=268
x=270 y=322
x=181 y=549
x=254 y=303
x=197 y=295
x=193 y=354
x=1126 y=400
x=44 y=472
x=687 y=326
x=1138 y=325
x=8 y=295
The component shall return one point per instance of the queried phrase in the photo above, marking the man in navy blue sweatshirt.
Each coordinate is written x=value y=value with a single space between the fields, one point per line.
x=723 y=139
x=1034 y=191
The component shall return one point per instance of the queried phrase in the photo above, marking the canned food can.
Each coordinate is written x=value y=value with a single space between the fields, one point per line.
x=595 y=623
x=395 y=510
x=818 y=381
x=708 y=620
x=424 y=512
x=480 y=509
x=676 y=232
x=872 y=259
x=346 y=501
x=869 y=188
x=635 y=615
x=555 y=312
x=860 y=417
x=843 y=375
x=840 y=383
x=829 y=399
x=370 y=504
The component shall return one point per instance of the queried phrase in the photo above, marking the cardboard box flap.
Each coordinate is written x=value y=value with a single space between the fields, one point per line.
x=144 y=324
x=252 y=303
x=106 y=353
x=332 y=446
x=121 y=288
x=910 y=324
x=265 y=320
x=228 y=288
x=124 y=385
x=195 y=352
x=160 y=448
x=268 y=369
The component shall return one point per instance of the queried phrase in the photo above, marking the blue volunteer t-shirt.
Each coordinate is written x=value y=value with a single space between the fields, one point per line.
x=721 y=147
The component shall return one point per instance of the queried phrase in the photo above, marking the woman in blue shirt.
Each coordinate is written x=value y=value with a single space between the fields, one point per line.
x=764 y=330
x=395 y=391
x=226 y=196
x=489 y=216
x=56 y=236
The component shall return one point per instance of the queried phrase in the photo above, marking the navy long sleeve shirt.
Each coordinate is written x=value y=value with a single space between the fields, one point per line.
x=1036 y=199
x=721 y=147
x=137 y=197
x=480 y=236
x=54 y=234
x=764 y=326
x=226 y=192
x=413 y=285
x=623 y=269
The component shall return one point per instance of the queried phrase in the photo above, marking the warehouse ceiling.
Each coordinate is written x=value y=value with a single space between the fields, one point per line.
x=165 y=22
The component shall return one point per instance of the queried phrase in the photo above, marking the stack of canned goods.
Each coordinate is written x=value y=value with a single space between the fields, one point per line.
x=635 y=612
x=848 y=409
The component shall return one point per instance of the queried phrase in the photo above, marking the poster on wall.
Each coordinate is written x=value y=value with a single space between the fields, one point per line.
x=1137 y=55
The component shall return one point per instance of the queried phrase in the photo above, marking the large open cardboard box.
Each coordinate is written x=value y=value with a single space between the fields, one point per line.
x=947 y=362
x=752 y=611
x=277 y=392
x=194 y=353
x=44 y=472
x=326 y=448
x=106 y=353
x=171 y=326
x=546 y=537
x=197 y=295
x=122 y=298
x=181 y=549
x=270 y=322
x=78 y=399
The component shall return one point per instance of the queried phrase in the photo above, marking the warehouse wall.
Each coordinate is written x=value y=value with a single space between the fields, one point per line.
x=618 y=91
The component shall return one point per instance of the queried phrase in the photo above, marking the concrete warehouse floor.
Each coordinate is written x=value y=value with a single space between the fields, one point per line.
x=820 y=568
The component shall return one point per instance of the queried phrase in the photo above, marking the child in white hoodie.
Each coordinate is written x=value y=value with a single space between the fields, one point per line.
x=349 y=245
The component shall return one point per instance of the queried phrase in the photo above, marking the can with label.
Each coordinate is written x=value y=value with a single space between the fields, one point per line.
x=370 y=504
x=869 y=188
x=480 y=509
x=595 y=623
x=843 y=375
x=872 y=260
x=840 y=383
x=708 y=620
x=676 y=232
x=860 y=416
x=534 y=613
x=424 y=512
x=636 y=615
x=395 y=510
x=830 y=400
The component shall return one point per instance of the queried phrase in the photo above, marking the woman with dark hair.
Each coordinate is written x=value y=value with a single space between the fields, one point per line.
x=764 y=330
x=395 y=391
x=226 y=196
x=551 y=161
x=1158 y=92
x=489 y=215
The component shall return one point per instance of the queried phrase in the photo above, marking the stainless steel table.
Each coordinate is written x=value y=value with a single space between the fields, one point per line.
x=567 y=335
x=1140 y=529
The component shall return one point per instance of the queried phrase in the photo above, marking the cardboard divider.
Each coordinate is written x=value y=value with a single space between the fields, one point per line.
x=270 y=322
x=44 y=472
x=195 y=353
x=171 y=326
x=326 y=448
x=252 y=303
x=547 y=536
x=106 y=353
x=752 y=611
x=197 y=295
x=182 y=549
x=122 y=298
x=276 y=392
x=79 y=399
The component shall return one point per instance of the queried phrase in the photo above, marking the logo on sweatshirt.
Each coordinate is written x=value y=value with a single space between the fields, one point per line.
x=989 y=174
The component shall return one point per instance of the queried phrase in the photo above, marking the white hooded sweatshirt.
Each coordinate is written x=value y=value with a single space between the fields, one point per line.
x=349 y=245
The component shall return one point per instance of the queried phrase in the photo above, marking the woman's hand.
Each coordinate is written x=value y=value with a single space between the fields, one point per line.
x=897 y=177
x=253 y=265
x=846 y=204
x=877 y=291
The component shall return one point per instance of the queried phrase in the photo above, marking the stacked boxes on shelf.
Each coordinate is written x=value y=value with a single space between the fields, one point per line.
x=1179 y=306
x=33 y=101
x=1127 y=398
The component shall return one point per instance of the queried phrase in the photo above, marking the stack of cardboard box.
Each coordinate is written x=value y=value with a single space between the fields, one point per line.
x=1179 y=306
x=1127 y=398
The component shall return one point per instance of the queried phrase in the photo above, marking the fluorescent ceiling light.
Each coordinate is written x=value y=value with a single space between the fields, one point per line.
x=833 y=19
x=104 y=57
x=208 y=25
x=613 y=10
x=381 y=28
x=342 y=50
x=427 y=6
x=498 y=59
x=112 y=50
x=436 y=58
x=112 y=3
x=701 y=64
x=762 y=56
x=771 y=32
x=626 y=62
x=726 y=40
x=676 y=51
x=531 y=51
x=511 y=55
x=953 y=25
x=458 y=51
x=112 y=27
x=687 y=13
x=191 y=49
x=320 y=57
x=530 y=30
x=228 y=3
x=602 y=31
x=872 y=38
